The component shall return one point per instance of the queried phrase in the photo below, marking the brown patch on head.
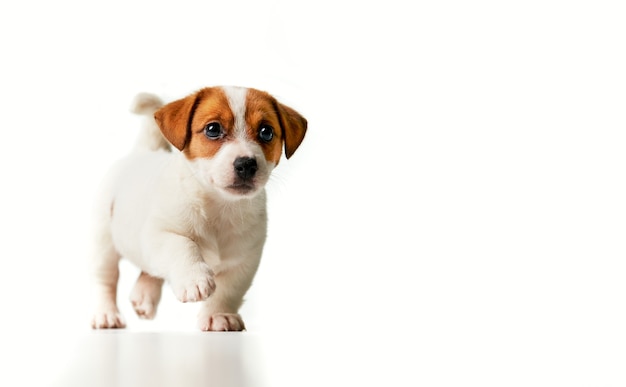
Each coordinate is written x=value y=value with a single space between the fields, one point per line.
x=212 y=108
x=183 y=121
x=261 y=110
x=289 y=126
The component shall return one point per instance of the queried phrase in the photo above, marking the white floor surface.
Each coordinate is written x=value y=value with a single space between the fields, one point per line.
x=134 y=359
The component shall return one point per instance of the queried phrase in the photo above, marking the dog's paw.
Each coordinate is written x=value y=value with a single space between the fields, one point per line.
x=194 y=284
x=221 y=322
x=108 y=318
x=146 y=295
x=145 y=306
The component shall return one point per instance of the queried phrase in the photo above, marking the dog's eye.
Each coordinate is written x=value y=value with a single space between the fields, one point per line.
x=266 y=133
x=213 y=130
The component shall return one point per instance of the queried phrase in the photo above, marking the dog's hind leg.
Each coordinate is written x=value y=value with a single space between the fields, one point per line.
x=105 y=270
x=146 y=295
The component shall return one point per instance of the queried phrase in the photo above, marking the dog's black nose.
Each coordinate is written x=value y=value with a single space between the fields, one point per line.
x=245 y=167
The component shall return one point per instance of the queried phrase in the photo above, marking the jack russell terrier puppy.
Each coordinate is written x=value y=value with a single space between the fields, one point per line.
x=195 y=216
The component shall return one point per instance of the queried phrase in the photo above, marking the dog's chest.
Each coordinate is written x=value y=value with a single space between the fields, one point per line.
x=229 y=232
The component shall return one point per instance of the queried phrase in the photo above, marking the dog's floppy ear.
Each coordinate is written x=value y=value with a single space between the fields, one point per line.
x=174 y=120
x=294 y=128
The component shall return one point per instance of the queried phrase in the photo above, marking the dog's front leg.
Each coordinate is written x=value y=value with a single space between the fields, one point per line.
x=177 y=259
x=220 y=311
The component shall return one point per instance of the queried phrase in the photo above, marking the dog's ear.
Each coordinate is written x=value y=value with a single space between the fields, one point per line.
x=294 y=128
x=174 y=120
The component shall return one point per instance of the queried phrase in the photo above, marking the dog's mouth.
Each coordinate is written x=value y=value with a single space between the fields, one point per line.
x=241 y=188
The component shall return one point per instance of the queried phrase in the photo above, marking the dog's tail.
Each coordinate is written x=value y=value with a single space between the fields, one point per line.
x=150 y=137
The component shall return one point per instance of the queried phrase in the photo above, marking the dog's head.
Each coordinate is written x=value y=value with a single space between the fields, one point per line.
x=233 y=137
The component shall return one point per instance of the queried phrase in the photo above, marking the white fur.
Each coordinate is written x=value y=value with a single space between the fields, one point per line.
x=237 y=100
x=177 y=221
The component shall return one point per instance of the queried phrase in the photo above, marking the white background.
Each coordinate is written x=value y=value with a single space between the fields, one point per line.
x=455 y=216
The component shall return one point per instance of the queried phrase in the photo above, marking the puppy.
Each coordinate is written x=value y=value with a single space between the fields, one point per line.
x=194 y=216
